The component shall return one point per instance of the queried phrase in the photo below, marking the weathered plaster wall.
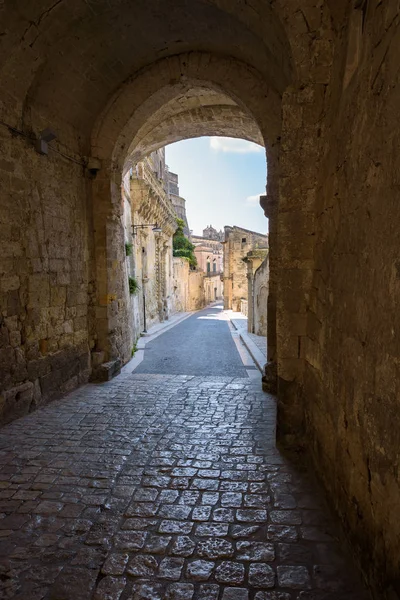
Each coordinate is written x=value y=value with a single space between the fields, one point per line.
x=44 y=277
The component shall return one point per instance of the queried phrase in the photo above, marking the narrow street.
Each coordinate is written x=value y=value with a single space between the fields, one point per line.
x=200 y=345
x=165 y=484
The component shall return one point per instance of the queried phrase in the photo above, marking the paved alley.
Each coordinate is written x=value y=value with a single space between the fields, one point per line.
x=163 y=486
x=200 y=345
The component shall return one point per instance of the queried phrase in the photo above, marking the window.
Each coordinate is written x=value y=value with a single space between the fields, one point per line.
x=214 y=267
x=243 y=240
x=208 y=266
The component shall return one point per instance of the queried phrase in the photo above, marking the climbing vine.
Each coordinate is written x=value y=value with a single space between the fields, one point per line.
x=181 y=245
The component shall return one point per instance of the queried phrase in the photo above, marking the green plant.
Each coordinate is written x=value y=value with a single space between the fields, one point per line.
x=181 y=245
x=134 y=348
x=128 y=249
x=133 y=285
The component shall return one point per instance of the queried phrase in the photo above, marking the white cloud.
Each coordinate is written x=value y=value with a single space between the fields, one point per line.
x=226 y=144
x=254 y=200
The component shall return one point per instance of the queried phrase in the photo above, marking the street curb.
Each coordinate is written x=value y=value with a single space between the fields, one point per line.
x=254 y=351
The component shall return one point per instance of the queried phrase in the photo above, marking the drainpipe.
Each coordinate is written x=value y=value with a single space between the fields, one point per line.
x=144 y=280
x=144 y=308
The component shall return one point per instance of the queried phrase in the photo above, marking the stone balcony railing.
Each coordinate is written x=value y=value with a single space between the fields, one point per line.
x=145 y=172
x=213 y=273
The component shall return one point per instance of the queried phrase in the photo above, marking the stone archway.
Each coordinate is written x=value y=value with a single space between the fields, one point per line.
x=90 y=71
x=175 y=98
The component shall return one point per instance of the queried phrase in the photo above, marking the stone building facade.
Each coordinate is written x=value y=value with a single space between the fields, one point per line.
x=209 y=258
x=209 y=255
x=238 y=242
x=257 y=290
x=151 y=264
x=166 y=284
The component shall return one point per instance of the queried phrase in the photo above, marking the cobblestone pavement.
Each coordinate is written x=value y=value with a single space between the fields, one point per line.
x=158 y=487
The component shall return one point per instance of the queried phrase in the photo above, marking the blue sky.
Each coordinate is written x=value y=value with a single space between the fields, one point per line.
x=220 y=179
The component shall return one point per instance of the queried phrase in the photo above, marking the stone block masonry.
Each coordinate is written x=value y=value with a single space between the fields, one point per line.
x=44 y=333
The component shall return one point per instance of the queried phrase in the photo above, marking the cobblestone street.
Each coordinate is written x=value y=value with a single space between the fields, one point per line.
x=162 y=486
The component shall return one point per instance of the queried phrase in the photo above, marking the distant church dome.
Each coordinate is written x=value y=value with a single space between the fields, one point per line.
x=212 y=234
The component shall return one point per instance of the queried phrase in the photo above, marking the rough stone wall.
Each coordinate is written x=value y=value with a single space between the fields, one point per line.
x=292 y=211
x=352 y=355
x=238 y=242
x=261 y=279
x=45 y=280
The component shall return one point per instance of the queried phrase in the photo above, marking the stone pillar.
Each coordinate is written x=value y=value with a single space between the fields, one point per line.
x=301 y=151
x=270 y=206
x=164 y=292
x=159 y=277
x=250 y=297
x=112 y=331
